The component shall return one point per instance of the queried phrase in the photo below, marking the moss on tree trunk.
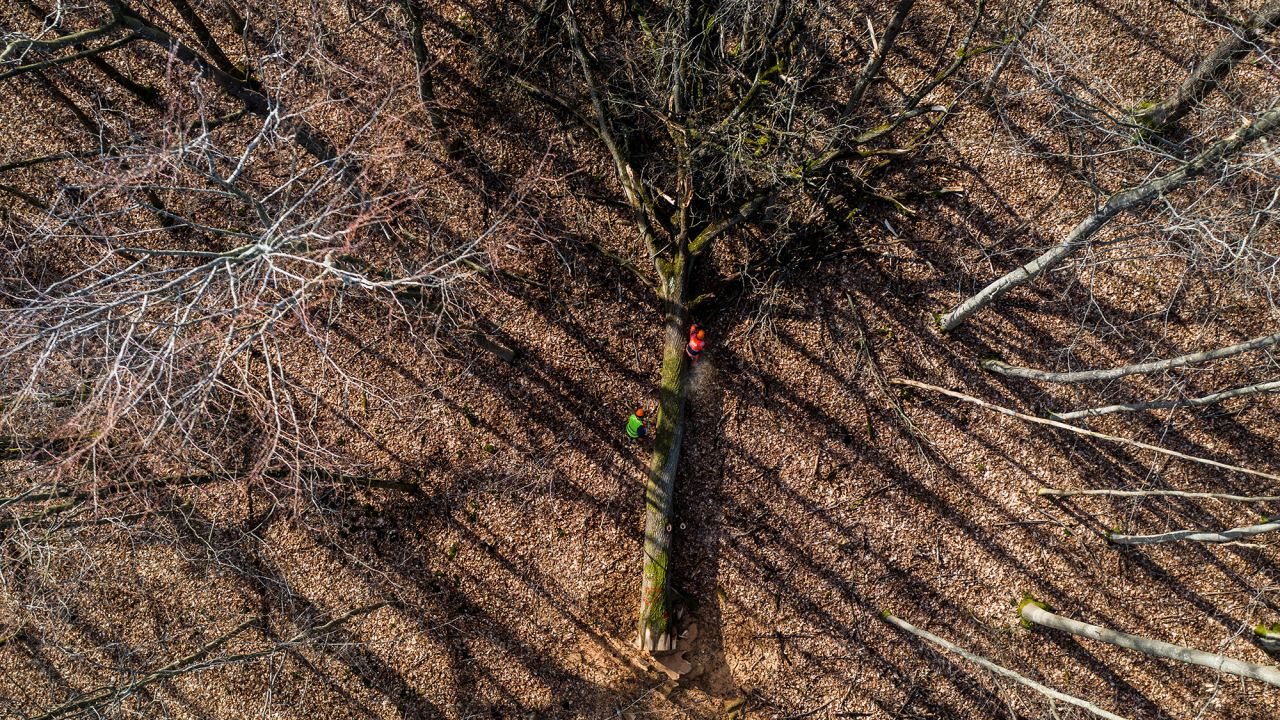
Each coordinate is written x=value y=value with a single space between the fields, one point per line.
x=655 y=627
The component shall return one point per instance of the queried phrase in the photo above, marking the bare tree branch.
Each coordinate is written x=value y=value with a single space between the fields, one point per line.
x=1210 y=71
x=91 y=52
x=1003 y=368
x=1079 y=431
x=1053 y=492
x=198 y=661
x=876 y=61
x=1202 y=401
x=1196 y=535
x=22 y=45
x=998 y=670
x=1124 y=200
x=1035 y=612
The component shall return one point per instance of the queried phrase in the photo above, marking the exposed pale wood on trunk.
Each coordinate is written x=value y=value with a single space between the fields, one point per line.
x=654 y=633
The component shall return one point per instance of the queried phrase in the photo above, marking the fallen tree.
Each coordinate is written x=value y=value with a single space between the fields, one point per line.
x=698 y=156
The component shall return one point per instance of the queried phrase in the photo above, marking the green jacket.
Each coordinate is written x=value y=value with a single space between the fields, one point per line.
x=633 y=426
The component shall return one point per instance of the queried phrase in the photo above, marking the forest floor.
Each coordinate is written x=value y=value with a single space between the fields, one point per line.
x=811 y=495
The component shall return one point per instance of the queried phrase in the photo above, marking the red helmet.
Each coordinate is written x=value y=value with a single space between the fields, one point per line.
x=639 y=412
x=701 y=334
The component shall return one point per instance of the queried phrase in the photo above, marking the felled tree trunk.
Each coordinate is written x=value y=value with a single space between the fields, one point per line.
x=1035 y=612
x=655 y=627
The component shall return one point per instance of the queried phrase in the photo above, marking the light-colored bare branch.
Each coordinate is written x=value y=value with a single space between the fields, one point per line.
x=1079 y=431
x=1196 y=535
x=997 y=669
x=1120 y=202
x=1211 y=399
x=1054 y=492
x=17 y=47
x=1002 y=368
x=1035 y=612
x=1210 y=71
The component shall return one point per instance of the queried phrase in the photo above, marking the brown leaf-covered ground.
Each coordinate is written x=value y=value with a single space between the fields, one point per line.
x=806 y=505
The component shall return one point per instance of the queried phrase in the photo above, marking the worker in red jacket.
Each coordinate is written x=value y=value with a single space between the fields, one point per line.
x=697 y=339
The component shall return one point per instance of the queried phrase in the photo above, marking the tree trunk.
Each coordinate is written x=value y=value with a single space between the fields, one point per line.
x=1118 y=203
x=1209 y=72
x=1034 y=612
x=879 y=54
x=655 y=627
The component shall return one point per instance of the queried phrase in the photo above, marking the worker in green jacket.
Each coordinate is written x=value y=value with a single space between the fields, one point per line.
x=635 y=424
